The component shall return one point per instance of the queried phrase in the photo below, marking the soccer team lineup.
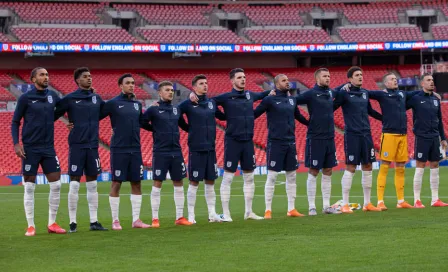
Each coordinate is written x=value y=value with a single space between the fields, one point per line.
x=38 y=109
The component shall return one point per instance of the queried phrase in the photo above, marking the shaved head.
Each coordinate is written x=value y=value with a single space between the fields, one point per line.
x=278 y=77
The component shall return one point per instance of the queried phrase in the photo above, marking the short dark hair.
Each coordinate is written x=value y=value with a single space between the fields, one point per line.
x=425 y=75
x=163 y=84
x=234 y=71
x=79 y=71
x=352 y=70
x=122 y=77
x=318 y=71
x=386 y=75
x=197 y=78
x=34 y=72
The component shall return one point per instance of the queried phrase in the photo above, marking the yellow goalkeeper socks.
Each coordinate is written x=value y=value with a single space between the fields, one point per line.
x=399 y=183
x=381 y=181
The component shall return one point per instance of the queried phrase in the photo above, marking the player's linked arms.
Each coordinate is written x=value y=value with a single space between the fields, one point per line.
x=444 y=144
x=70 y=126
x=437 y=95
x=20 y=152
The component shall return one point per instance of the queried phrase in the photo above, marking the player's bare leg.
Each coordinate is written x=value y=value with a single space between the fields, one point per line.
x=155 y=202
x=366 y=181
x=54 y=199
x=210 y=198
x=179 y=200
x=249 y=191
x=434 y=183
x=28 y=202
x=114 y=201
x=225 y=195
x=326 y=191
x=136 y=203
x=346 y=184
x=191 y=200
x=311 y=190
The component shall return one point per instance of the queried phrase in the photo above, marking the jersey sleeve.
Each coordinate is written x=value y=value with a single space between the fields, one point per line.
x=299 y=117
x=441 y=128
x=374 y=113
x=145 y=125
x=259 y=96
x=106 y=109
x=219 y=114
x=411 y=94
x=61 y=108
x=262 y=108
x=302 y=98
x=19 y=112
x=220 y=99
x=339 y=98
x=376 y=95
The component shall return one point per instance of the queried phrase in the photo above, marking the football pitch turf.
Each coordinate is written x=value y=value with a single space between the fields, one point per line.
x=395 y=240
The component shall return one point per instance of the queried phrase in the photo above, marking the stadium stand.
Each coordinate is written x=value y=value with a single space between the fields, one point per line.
x=205 y=35
x=288 y=36
x=75 y=35
x=380 y=33
x=5 y=95
x=67 y=13
x=3 y=38
x=170 y=14
x=375 y=12
x=104 y=82
x=440 y=32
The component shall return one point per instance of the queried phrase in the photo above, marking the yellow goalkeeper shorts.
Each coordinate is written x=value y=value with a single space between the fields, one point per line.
x=394 y=147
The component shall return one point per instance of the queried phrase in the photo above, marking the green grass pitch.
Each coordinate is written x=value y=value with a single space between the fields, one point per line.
x=395 y=240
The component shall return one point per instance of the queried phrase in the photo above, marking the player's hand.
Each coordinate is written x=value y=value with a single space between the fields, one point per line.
x=70 y=126
x=194 y=98
x=155 y=104
x=346 y=87
x=385 y=90
x=437 y=95
x=444 y=144
x=93 y=90
x=20 y=152
x=288 y=93
x=272 y=93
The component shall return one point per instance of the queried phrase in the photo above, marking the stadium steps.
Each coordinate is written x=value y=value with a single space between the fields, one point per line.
x=12 y=38
x=336 y=38
x=427 y=36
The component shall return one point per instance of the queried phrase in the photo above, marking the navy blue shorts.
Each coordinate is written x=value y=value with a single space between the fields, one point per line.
x=45 y=157
x=236 y=151
x=427 y=149
x=163 y=163
x=126 y=166
x=320 y=153
x=202 y=165
x=84 y=161
x=358 y=149
x=281 y=156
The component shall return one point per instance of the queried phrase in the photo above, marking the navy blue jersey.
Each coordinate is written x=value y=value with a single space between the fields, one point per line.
x=37 y=109
x=427 y=115
x=393 y=108
x=239 y=111
x=319 y=101
x=165 y=120
x=281 y=112
x=84 y=109
x=201 y=123
x=356 y=109
x=126 y=119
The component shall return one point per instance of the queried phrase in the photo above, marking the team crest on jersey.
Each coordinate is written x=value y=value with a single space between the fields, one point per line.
x=117 y=173
x=94 y=99
x=210 y=105
x=175 y=111
x=436 y=103
x=158 y=172
x=351 y=157
x=315 y=162
x=400 y=94
x=136 y=106
x=50 y=99
x=74 y=167
x=248 y=95
x=229 y=164
x=195 y=174
x=273 y=163
x=291 y=102
x=419 y=155
x=364 y=96
x=27 y=167
x=386 y=154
